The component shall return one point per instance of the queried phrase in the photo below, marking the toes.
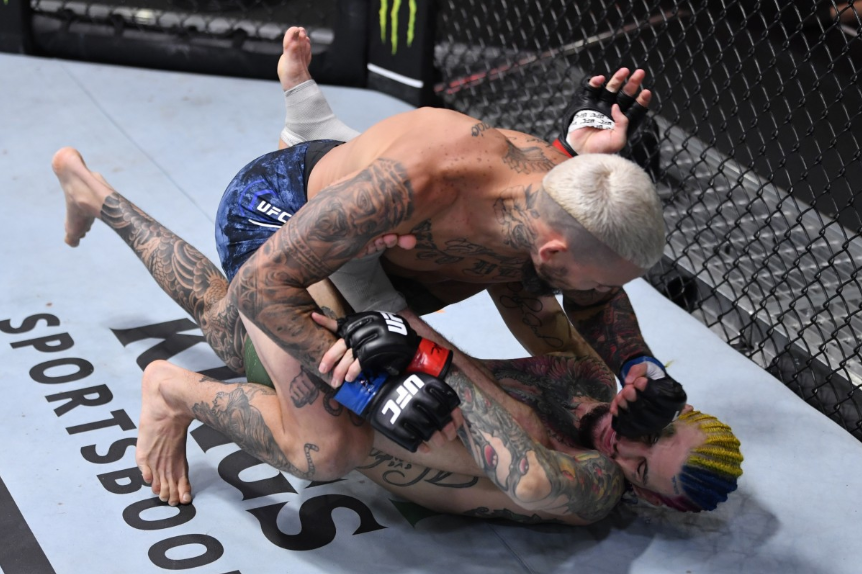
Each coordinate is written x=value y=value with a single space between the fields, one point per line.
x=185 y=491
x=156 y=486
x=146 y=472
x=174 y=497
x=165 y=490
x=288 y=35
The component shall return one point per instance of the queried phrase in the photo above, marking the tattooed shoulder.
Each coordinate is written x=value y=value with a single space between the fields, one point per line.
x=527 y=159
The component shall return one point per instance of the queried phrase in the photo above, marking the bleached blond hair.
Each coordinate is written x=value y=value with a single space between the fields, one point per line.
x=615 y=200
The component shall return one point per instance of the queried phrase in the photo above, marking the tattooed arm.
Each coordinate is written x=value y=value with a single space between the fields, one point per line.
x=482 y=377
x=538 y=322
x=582 y=487
x=608 y=322
x=271 y=288
x=451 y=492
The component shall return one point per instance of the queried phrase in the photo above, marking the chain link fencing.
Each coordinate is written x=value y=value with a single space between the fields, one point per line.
x=752 y=144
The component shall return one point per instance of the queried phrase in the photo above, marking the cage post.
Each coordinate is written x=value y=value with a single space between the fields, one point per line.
x=401 y=49
x=15 y=26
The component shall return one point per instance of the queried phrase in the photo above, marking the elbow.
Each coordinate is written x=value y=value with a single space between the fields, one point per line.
x=259 y=284
x=533 y=490
x=242 y=290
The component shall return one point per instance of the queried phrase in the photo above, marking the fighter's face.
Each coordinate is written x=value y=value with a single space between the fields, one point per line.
x=652 y=463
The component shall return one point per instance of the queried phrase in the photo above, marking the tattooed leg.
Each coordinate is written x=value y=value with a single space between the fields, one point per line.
x=300 y=415
x=190 y=279
x=172 y=397
x=310 y=415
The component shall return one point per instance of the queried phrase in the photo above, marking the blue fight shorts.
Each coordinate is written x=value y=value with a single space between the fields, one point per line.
x=261 y=198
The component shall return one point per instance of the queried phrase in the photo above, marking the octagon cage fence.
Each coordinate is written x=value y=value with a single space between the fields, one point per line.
x=750 y=137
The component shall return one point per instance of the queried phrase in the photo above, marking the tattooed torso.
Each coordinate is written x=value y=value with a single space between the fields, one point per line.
x=479 y=201
x=466 y=193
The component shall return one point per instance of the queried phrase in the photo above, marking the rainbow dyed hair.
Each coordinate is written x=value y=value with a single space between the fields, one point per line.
x=711 y=471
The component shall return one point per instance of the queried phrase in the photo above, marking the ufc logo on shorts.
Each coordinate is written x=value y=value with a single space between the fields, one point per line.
x=406 y=392
x=394 y=323
x=272 y=211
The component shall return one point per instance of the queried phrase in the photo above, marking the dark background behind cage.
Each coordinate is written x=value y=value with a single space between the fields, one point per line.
x=752 y=139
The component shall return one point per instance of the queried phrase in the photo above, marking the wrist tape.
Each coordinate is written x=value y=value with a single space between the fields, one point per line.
x=430 y=358
x=355 y=395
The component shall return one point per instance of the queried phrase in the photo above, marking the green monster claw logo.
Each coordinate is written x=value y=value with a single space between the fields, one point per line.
x=393 y=15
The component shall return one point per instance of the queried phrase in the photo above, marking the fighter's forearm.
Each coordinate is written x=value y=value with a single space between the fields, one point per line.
x=608 y=323
x=271 y=288
x=448 y=457
x=284 y=315
x=445 y=491
x=587 y=484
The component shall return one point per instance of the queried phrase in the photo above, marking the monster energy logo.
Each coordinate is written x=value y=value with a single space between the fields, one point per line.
x=386 y=14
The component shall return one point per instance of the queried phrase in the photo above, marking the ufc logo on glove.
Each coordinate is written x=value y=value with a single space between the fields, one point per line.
x=394 y=323
x=406 y=391
x=400 y=391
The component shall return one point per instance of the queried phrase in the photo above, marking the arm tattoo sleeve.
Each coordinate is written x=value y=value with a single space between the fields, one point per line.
x=271 y=288
x=587 y=484
x=399 y=473
x=608 y=322
x=554 y=387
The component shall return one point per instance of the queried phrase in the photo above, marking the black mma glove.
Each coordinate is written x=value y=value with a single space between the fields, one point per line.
x=407 y=409
x=658 y=405
x=592 y=108
x=386 y=342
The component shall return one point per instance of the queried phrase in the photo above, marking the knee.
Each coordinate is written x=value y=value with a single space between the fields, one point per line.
x=160 y=370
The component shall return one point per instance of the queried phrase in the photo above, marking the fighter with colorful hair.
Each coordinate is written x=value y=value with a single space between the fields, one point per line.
x=691 y=465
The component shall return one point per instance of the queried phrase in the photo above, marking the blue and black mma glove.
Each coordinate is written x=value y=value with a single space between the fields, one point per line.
x=407 y=409
x=658 y=405
x=592 y=108
x=385 y=342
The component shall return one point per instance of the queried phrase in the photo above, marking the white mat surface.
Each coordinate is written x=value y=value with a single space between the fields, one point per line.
x=170 y=143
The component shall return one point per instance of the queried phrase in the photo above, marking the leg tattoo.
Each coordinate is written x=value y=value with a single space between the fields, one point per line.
x=182 y=271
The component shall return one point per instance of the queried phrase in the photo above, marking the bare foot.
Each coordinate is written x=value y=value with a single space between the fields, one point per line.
x=161 y=448
x=85 y=192
x=294 y=61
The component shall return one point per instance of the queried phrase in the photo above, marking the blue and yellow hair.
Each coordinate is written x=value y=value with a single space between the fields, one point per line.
x=711 y=470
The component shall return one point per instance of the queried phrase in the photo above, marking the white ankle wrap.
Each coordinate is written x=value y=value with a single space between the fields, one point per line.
x=309 y=117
